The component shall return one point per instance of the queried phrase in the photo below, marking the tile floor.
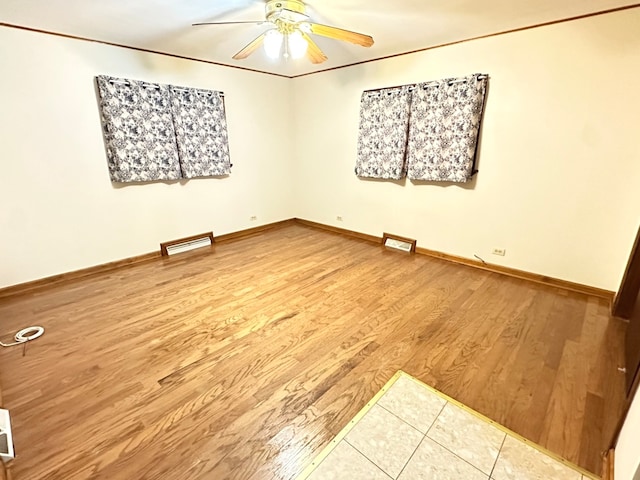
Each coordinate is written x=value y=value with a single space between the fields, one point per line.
x=410 y=431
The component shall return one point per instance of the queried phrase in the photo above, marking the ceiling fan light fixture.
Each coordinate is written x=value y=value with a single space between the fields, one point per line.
x=297 y=44
x=273 y=43
x=290 y=33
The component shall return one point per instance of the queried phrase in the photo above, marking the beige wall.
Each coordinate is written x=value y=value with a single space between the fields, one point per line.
x=59 y=211
x=559 y=177
x=559 y=181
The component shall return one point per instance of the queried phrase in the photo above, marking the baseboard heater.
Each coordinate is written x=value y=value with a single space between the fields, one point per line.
x=186 y=244
x=396 y=242
x=6 y=439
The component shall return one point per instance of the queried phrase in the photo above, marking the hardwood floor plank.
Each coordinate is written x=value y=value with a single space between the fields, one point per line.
x=591 y=445
x=567 y=406
x=242 y=363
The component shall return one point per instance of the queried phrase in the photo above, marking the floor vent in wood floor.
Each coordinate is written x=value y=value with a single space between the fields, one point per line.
x=396 y=242
x=186 y=244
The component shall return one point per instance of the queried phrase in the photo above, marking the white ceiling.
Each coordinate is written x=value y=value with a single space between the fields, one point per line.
x=397 y=26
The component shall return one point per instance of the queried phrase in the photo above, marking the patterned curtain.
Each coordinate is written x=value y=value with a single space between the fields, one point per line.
x=201 y=132
x=382 y=138
x=138 y=130
x=443 y=134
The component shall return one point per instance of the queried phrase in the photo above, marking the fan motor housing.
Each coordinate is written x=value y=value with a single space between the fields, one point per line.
x=287 y=10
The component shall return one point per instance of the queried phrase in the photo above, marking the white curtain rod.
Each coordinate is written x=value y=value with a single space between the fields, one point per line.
x=153 y=85
x=412 y=86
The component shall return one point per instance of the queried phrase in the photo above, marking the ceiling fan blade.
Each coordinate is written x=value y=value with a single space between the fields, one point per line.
x=313 y=50
x=340 y=34
x=249 y=49
x=259 y=22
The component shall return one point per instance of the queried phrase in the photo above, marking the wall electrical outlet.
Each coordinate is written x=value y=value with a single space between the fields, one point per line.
x=339 y=218
x=499 y=251
x=253 y=218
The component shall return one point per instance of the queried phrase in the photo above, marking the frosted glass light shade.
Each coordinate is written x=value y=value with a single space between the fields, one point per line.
x=273 y=43
x=297 y=44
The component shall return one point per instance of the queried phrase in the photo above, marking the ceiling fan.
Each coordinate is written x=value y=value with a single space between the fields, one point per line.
x=290 y=31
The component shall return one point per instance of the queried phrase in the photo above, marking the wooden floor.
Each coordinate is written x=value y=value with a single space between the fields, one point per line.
x=245 y=362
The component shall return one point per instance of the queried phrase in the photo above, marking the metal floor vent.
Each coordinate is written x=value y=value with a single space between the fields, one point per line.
x=6 y=439
x=396 y=242
x=186 y=244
